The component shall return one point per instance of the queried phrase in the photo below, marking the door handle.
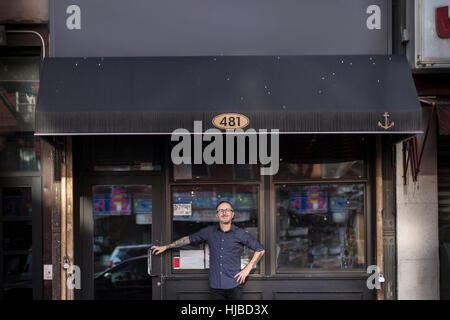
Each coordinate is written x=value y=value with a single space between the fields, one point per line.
x=149 y=263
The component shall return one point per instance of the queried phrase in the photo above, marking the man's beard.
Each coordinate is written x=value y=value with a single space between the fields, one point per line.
x=226 y=222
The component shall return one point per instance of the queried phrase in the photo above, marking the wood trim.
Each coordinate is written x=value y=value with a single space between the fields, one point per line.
x=389 y=220
x=379 y=211
x=63 y=229
x=51 y=220
x=69 y=209
x=58 y=203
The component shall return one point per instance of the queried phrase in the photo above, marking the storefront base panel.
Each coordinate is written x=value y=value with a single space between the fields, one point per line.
x=276 y=289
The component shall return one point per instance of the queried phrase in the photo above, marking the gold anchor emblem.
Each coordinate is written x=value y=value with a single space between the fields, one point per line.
x=387 y=124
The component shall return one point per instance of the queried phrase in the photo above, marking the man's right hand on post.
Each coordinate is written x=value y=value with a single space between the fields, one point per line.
x=158 y=249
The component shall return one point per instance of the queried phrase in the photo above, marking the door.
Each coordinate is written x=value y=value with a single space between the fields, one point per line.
x=120 y=219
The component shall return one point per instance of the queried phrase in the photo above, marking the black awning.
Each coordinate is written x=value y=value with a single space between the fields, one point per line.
x=295 y=94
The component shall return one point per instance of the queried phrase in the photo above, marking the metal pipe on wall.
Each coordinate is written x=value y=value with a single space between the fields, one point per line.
x=397 y=27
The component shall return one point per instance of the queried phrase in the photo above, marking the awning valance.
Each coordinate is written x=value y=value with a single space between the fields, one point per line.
x=295 y=94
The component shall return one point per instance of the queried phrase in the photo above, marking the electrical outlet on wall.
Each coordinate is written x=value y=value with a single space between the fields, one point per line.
x=48 y=272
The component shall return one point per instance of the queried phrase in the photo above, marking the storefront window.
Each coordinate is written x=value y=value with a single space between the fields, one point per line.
x=19 y=151
x=17 y=235
x=194 y=207
x=216 y=172
x=240 y=167
x=122 y=224
x=19 y=85
x=19 y=156
x=313 y=157
x=122 y=154
x=17 y=202
x=320 y=226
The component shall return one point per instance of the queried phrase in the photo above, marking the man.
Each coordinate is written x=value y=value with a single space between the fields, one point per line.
x=226 y=243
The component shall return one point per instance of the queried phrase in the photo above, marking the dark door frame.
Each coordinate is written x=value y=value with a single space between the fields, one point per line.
x=85 y=233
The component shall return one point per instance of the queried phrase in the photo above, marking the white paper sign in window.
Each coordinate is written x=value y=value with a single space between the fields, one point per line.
x=192 y=259
x=182 y=209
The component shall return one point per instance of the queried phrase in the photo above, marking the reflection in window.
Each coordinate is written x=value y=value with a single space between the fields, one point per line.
x=115 y=154
x=17 y=202
x=17 y=269
x=19 y=151
x=19 y=85
x=122 y=224
x=17 y=235
x=320 y=226
x=194 y=208
x=347 y=169
x=134 y=166
x=16 y=256
x=215 y=172
x=132 y=270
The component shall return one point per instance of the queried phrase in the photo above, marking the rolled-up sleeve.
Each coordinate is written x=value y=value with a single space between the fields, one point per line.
x=200 y=236
x=251 y=242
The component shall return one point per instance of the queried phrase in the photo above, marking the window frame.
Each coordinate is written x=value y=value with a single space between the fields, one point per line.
x=169 y=234
x=368 y=218
x=131 y=214
x=274 y=228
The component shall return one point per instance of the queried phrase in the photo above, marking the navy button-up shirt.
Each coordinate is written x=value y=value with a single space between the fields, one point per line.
x=225 y=250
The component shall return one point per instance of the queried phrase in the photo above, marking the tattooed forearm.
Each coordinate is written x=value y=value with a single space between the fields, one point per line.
x=256 y=257
x=179 y=243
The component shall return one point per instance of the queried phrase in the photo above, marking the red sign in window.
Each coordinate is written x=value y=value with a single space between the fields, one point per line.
x=176 y=262
x=443 y=22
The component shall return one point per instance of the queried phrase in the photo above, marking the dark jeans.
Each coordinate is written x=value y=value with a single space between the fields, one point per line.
x=226 y=294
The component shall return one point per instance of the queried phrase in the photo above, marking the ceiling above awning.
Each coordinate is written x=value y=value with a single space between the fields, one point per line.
x=295 y=94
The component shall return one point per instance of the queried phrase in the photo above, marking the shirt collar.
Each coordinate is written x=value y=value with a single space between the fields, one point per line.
x=232 y=229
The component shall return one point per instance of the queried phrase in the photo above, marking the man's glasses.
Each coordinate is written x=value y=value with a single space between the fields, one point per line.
x=227 y=210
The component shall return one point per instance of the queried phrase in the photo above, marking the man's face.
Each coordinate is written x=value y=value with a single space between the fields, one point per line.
x=225 y=213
